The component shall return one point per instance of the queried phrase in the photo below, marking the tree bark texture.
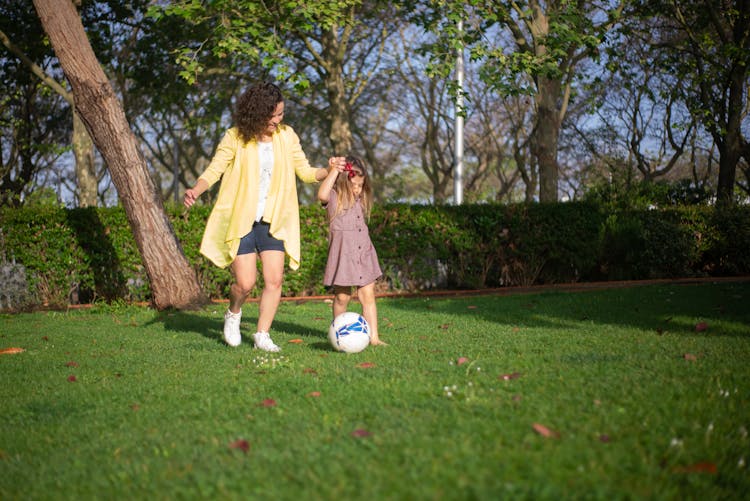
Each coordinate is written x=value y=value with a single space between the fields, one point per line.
x=547 y=127
x=730 y=145
x=87 y=182
x=173 y=282
x=340 y=134
x=546 y=137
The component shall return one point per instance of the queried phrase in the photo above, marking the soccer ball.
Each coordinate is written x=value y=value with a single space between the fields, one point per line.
x=349 y=333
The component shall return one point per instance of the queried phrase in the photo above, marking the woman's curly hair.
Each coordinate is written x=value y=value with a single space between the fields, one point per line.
x=254 y=109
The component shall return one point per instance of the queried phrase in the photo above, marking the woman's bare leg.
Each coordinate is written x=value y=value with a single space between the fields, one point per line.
x=245 y=274
x=273 y=276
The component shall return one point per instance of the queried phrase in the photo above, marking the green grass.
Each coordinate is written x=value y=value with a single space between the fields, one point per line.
x=640 y=404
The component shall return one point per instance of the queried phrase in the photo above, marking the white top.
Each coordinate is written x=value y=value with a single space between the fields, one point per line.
x=265 y=162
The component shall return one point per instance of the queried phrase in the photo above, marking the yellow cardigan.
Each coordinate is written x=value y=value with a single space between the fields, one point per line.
x=232 y=217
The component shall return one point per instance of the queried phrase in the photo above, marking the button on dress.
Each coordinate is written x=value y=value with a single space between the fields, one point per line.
x=352 y=260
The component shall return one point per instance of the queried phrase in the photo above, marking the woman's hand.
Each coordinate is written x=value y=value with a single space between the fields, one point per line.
x=190 y=197
x=192 y=194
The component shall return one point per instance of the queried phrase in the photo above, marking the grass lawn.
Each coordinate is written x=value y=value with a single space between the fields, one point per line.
x=638 y=393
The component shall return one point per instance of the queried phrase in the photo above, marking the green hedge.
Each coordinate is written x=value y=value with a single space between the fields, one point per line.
x=83 y=255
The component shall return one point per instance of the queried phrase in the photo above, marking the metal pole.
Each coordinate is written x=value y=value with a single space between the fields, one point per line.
x=458 y=182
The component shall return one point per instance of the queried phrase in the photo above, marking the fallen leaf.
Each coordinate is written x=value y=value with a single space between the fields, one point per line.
x=308 y=370
x=295 y=341
x=690 y=357
x=240 y=444
x=507 y=377
x=703 y=467
x=11 y=351
x=445 y=326
x=461 y=360
x=313 y=394
x=72 y=378
x=359 y=432
x=71 y=364
x=366 y=365
x=471 y=307
x=268 y=402
x=701 y=326
x=544 y=431
x=135 y=407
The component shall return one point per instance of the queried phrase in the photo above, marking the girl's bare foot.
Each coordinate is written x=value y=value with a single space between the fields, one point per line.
x=378 y=342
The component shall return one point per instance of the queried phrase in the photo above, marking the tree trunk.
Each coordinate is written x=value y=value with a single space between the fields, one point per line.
x=730 y=142
x=173 y=282
x=546 y=134
x=341 y=133
x=86 y=178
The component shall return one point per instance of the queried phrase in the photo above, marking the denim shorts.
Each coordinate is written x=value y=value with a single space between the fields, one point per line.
x=259 y=239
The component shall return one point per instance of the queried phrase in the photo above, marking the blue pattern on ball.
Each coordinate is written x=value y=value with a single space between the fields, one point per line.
x=354 y=327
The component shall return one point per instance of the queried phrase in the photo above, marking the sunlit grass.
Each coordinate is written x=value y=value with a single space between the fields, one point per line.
x=128 y=403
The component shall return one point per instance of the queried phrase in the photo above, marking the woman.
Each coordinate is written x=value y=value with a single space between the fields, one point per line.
x=256 y=212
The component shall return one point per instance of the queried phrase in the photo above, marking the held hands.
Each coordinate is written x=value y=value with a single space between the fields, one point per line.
x=336 y=163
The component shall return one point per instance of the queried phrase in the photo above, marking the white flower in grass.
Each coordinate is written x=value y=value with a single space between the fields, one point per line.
x=741 y=462
x=450 y=390
x=676 y=442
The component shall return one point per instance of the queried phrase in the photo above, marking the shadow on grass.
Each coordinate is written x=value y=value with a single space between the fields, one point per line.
x=677 y=309
x=186 y=322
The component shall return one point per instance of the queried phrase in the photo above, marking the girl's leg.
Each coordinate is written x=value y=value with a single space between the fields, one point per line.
x=341 y=298
x=366 y=295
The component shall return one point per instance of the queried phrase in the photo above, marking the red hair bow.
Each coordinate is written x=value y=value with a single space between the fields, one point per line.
x=349 y=169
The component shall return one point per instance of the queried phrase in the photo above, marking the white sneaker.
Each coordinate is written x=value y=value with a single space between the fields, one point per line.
x=263 y=342
x=232 y=328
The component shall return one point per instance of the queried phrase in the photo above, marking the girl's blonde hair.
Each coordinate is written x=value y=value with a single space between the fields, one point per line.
x=344 y=191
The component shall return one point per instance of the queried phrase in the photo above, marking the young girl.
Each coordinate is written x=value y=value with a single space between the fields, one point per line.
x=352 y=261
